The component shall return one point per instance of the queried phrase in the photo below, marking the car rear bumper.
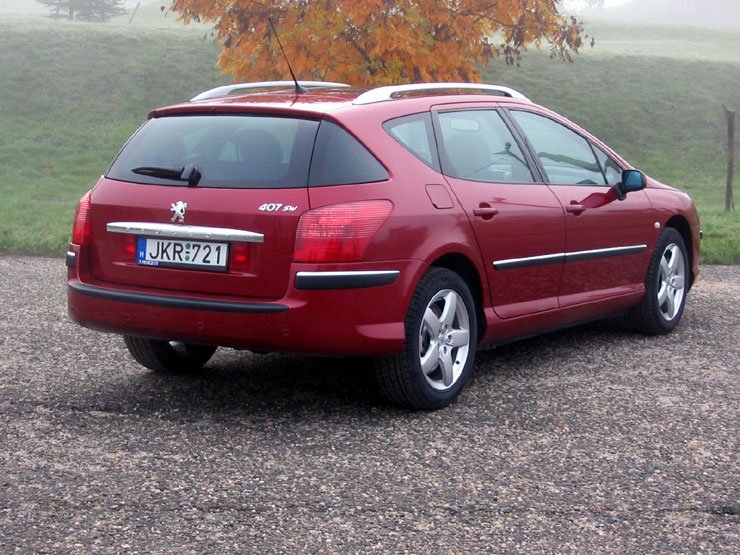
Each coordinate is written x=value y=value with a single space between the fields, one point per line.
x=155 y=300
x=334 y=312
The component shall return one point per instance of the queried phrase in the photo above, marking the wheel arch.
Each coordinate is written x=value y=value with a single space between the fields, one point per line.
x=681 y=224
x=466 y=269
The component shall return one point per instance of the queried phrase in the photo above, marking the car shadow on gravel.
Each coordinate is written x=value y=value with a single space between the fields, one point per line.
x=236 y=384
x=554 y=344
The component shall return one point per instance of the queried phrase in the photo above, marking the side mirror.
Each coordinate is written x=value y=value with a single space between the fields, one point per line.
x=632 y=180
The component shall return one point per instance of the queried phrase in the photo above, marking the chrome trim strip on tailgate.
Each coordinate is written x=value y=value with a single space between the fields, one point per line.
x=194 y=232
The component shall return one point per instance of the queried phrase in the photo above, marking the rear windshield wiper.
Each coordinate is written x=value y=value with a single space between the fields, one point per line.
x=189 y=173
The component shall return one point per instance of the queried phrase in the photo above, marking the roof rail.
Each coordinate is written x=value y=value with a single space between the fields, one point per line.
x=382 y=94
x=226 y=90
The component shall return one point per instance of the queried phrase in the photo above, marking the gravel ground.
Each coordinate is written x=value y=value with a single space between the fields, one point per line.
x=590 y=440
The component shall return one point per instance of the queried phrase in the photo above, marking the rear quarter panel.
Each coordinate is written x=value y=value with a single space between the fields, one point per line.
x=417 y=229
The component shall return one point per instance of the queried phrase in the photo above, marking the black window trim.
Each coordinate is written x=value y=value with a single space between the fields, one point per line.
x=536 y=167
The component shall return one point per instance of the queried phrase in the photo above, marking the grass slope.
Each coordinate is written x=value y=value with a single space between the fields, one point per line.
x=73 y=92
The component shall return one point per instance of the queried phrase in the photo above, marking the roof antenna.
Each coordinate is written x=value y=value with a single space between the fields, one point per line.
x=298 y=88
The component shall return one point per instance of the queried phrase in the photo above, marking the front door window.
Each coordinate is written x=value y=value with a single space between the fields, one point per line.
x=566 y=157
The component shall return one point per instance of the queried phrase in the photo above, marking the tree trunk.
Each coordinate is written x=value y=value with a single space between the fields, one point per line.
x=729 y=197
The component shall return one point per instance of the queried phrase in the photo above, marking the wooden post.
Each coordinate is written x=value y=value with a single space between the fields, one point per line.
x=729 y=197
x=133 y=14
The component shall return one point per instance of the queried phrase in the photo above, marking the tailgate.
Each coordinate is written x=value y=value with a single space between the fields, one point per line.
x=255 y=262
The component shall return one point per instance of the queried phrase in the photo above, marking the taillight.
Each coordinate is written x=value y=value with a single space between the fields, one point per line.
x=82 y=229
x=129 y=247
x=239 y=257
x=339 y=233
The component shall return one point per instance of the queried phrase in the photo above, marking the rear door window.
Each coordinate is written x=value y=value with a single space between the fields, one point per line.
x=478 y=146
x=230 y=151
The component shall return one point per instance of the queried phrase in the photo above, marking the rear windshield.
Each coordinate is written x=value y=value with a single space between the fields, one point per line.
x=245 y=152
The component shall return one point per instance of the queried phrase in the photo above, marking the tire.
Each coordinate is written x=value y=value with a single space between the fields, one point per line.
x=441 y=334
x=168 y=357
x=666 y=286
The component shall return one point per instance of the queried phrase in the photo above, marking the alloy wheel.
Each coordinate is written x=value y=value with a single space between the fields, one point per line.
x=671 y=282
x=444 y=339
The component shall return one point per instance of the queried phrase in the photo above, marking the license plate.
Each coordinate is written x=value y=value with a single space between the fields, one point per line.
x=177 y=253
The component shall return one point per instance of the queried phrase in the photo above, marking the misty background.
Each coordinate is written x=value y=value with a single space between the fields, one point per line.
x=710 y=13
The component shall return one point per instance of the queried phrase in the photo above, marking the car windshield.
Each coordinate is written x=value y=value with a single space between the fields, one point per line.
x=230 y=151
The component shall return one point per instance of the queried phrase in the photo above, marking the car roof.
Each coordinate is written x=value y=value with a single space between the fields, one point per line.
x=320 y=98
x=354 y=107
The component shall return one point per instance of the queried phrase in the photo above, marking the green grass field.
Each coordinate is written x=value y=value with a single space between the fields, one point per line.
x=71 y=93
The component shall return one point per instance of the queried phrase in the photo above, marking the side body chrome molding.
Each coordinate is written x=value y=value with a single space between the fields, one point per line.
x=559 y=258
x=511 y=263
x=604 y=253
x=186 y=232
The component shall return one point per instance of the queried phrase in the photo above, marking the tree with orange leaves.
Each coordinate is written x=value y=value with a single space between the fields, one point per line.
x=379 y=42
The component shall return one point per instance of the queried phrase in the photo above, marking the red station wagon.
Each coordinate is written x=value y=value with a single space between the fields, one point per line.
x=411 y=223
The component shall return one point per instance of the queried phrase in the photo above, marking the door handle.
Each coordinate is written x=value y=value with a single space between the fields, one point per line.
x=575 y=208
x=485 y=211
